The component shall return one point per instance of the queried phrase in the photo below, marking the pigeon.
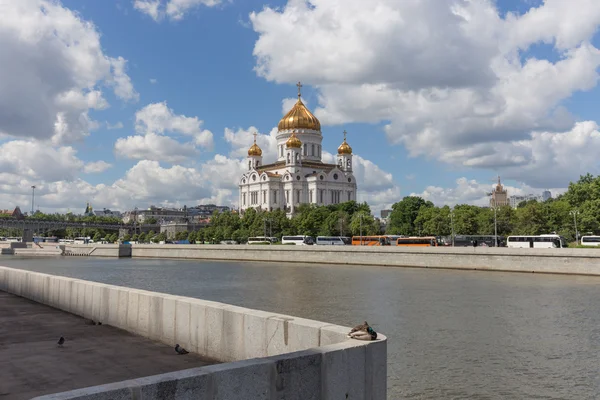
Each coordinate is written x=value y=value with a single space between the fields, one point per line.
x=180 y=350
x=61 y=341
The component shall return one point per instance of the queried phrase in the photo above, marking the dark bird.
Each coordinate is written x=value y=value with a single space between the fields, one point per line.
x=180 y=350
x=61 y=341
x=362 y=332
x=90 y=322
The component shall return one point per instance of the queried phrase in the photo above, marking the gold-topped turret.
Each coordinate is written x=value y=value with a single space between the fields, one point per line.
x=254 y=150
x=344 y=147
x=293 y=142
x=299 y=117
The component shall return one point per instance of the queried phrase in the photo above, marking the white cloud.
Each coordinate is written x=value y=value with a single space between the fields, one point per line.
x=154 y=147
x=37 y=161
x=157 y=127
x=52 y=67
x=121 y=81
x=158 y=118
x=456 y=74
x=118 y=125
x=172 y=9
x=96 y=167
x=153 y=80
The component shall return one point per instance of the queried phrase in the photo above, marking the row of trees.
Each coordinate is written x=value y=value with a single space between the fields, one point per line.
x=580 y=205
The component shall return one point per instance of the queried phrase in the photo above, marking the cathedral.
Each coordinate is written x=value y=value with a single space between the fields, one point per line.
x=298 y=176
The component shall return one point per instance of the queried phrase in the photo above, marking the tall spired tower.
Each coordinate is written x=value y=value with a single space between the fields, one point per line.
x=298 y=175
x=499 y=195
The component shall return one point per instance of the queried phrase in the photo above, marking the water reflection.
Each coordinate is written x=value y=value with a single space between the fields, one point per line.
x=452 y=334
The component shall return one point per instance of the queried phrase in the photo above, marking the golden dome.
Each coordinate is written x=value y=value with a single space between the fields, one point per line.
x=254 y=150
x=299 y=117
x=344 y=147
x=293 y=142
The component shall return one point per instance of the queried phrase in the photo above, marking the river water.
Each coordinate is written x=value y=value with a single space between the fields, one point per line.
x=451 y=334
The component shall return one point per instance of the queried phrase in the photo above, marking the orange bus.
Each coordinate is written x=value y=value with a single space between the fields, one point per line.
x=370 y=241
x=428 y=241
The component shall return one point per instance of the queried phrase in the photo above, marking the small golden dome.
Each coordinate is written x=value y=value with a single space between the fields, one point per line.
x=293 y=142
x=299 y=117
x=254 y=150
x=344 y=147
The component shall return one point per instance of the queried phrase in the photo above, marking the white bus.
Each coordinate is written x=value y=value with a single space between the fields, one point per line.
x=537 y=242
x=297 y=240
x=261 y=240
x=590 y=240
x=82 y=240
x=334 y=240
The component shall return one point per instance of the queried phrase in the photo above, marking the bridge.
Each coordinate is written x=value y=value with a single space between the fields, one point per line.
x=39 y=225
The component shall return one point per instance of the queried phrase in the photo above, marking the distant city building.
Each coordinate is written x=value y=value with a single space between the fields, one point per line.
x=546 y=195
x=89 y=212
x=107 y=213
x=499 y=196
x=198 y=214
x=514 y=201
x=15 y=213
x=385 y=214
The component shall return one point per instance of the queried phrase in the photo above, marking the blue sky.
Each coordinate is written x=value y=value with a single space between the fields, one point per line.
x=202 y=64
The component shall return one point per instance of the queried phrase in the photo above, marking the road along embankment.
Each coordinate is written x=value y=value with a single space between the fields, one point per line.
x=551 y=261
x=265 y=355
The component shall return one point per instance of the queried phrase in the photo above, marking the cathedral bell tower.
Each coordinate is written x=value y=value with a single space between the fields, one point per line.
x=344 y=157
x=254 y=156
x=293 y=150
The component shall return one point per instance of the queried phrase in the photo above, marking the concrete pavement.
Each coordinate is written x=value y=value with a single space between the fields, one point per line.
x=31 y=363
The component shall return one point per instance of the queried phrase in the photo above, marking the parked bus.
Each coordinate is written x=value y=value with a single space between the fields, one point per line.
x=479 y=240
x=590 y=240
x=298 y=240
x=334 y=240
x=261 y=240
x=370 y=241
x=82 y=240
x=537 y=242
x=428 y=241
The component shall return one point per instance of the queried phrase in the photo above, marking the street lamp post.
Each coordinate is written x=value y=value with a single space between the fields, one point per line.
x=574 y=214
x=495 y=226
x=452 y=225
x=32 y=198
x=360 y=217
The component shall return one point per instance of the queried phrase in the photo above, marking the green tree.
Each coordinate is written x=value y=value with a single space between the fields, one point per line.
x=142 y=238
x=364 y=222
x=465 y=219
x=192 y=237
x=403 y=216
x=97 y=237
x=126 y=237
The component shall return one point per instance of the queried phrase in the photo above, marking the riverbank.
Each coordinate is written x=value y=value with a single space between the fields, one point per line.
x=548 y=261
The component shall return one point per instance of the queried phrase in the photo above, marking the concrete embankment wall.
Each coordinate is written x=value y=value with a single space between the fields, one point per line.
x=266 y=355
x=555 y=261
x=98 y=250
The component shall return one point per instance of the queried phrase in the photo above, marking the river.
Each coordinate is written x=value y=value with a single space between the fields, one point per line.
x=451 y=334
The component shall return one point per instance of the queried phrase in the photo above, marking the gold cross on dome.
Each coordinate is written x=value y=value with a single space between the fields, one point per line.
x=299 y=89
x=345 y=133
x=254 y=136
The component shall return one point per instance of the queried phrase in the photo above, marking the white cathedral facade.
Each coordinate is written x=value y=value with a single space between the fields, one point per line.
x=298 y=176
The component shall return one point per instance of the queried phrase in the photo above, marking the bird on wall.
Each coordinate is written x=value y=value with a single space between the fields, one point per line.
x=363 y=332
x=180 y=350
x=61 y=341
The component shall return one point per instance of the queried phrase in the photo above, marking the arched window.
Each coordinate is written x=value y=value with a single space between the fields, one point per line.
x=257 y=163
x=297 y=157
x=340 y=162
x=288 y=158
x=349 y=163
x=250 y=164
